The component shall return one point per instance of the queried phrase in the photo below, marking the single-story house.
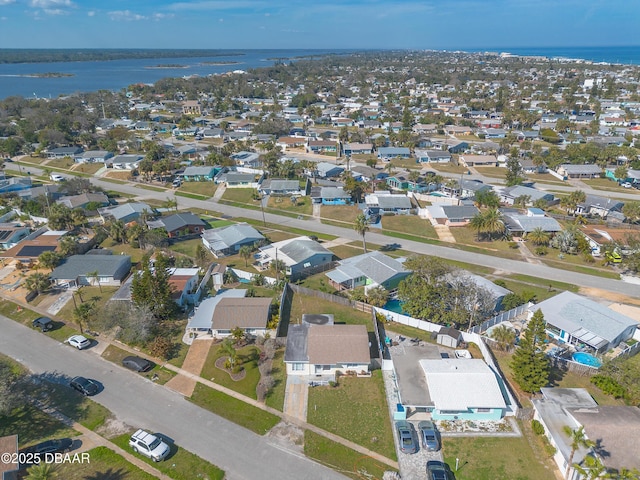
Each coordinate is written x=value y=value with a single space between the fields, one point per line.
x=14 y=184
x=370 y=270
x=127 y=212
x=367 y=174
x=495 y=292
x=230 y=309
x=184 y=284
x=465 y=188
x=326 y=349
x=357 y=149
x=76 y=270
x=124 y=162
x=227 y=240
x=568 y=170
x=242 y=180
x=50 y=192
x=281 y=187
x=579 y=321
x=11 y=234
x=327 y=170
x=291 y=142
x=433 y=156
x=613 y=429
x=478 y=160
x=93 y=156
x=519 y=225
x=199 y=174
x=179 y=224
x=600 y=236
x=84 y=199
x=300 y=255
x=450 y=215
x=508 y=195
x=28 y=250
x=389 y=203
x=529 y=166
x=597 y=205
x=388 y=153
x=63 y=152
x=464 y=389
x=322 y=146
x=247 y=159
x=334 y=196
x=449 y=337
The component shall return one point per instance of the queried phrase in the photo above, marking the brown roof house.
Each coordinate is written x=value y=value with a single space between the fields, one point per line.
x=230 y=309
x=28 y=250
x=318 y=347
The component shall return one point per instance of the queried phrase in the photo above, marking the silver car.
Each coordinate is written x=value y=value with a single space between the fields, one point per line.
x=428 y=436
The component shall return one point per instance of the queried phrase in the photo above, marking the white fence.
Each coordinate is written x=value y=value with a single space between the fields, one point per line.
x=241 y=274
x=406 y=320
x=502 y=317
x=435 y=199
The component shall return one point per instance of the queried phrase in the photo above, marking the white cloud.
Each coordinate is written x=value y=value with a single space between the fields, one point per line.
x=162 y=16
x=125 y=16
x=51 y=4
x=7 y=2
x=91 y=13
x=217 y=5
x=54 y=11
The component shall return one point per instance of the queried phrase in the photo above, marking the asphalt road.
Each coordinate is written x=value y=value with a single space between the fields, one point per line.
x=143 y=404
x=505 y=265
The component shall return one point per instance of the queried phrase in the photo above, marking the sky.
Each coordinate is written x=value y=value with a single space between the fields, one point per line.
x=322 y=24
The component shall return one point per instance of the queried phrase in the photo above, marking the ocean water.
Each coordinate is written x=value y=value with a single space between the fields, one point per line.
x=629 y=55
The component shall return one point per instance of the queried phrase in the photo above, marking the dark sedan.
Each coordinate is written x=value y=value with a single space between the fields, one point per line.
x=437 y=470
x=43 y=323
x=137 y=364
x=85 y=386
x=406 y=438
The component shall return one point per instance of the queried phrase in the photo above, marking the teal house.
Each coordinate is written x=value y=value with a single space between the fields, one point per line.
x=464 y=389
x=200 y=174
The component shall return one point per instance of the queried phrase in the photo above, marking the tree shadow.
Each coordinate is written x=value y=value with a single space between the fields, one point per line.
x=109 y=474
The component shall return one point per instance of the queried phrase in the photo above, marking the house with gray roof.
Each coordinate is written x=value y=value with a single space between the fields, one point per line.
x=301 y=256
x=51 y=192
x=568 y=170
x=63 y=152
x=326 y=349
x=124 y=162
x=370 y=270
x=179 y=224
x=519 y=225
x=281 y=187
x=93 y=156
x=333 y=196
x=389 y=153
x=200 y=174
x=597 y=205
x=578 y=321
x=76 y=270
x=450 y=215
x=127 y=212
x=328 y=170
x=508 y=195
x=227 y=240
x=242 y=180
x=433 y=156
x=84 y=199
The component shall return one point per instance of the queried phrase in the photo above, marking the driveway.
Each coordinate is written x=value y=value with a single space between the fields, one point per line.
x=141 y=403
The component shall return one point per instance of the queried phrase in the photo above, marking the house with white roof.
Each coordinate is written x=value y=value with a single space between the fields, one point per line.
x=578 y=321
x=387 y=202
x=463 y=389
x=508 y=195
x=370 y=270
x=300 y=256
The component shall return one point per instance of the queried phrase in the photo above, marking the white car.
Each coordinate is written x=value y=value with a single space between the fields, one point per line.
x=627 y=185
x=149 y=445
x=79 y=341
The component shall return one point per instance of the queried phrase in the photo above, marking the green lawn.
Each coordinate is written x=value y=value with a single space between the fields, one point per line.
x=104 y=464
x=408 y=224
x=136 y=254
x=89 y=167
x=275 y=396
x=180 y=464
x=87 y=294
x=32 y=425
x=319 y=282
x=76 y=406
x=247 y=358
x=551 y=284
x=200 y=188
x=576 y=263
x=342 y=459
x=495 y=172
x=241 y=195
x=346 y=251
x=302 y=206
x=610 y=185
x=17 y=312
x=356 y=410
x=234 y=410
x=342 y=313
x=187 y=247
x=341 y=213
x=66 y=162
x=406 y=163
x=116 y=355
x=466 y=236
x=545 y=178
x=495 y=458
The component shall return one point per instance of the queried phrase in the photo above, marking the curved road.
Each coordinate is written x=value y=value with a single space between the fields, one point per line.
x=141 y=403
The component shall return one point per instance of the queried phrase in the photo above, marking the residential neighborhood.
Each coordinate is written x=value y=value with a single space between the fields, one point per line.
x=369 y=259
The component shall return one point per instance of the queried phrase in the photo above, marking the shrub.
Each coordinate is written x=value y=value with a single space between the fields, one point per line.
x=537 y=427
x=541 y=251
x=500 y=283
x=609 y=386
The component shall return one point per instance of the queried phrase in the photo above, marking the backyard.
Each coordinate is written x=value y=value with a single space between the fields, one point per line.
x=302 y=304
x=355 y=409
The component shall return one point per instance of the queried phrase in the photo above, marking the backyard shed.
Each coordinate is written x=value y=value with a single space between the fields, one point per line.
x=449 y=337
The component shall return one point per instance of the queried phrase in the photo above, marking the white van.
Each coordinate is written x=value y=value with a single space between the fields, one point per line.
x=56 y=178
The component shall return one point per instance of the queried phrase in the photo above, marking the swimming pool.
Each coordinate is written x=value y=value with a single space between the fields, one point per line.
x=394 y=306
x=586 y=359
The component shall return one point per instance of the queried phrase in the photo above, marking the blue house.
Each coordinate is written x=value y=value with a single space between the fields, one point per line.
x=334 y=196
x=433 y=156
x=387 y=153
x=200 y=174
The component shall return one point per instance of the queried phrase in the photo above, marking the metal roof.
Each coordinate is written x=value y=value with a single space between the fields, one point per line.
x=80 y=265
x=376 y=266
x=222 y=238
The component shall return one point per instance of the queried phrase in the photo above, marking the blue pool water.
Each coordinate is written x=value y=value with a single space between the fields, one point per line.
x=586 y=359
x=394 y=306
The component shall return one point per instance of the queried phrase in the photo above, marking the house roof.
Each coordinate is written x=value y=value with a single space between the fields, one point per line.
x=590 y=321
x=394 y=151
x=124 y=210
x=249 y=312
x=376 y=266
x=240 y=177
x=198 y=171
x=334 y=344
x=34 y=247
x=326 y=167
x=203 y=314
x=278 y=184
x=526 y=224
x=459 y=211
x=333 y=192
x=520 y=190
x=294 y=250
x=459 y=384
x=75 y=201
x=222 y=238
x=176 y=221
x=80 y=265
x=496 y=290
x=394 y=201
x=572 y=169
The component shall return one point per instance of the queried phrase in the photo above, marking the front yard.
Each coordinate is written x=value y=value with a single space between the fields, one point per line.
x=302 y=206
x=357 y=410
x=341 y=213
x=104 y=464
x=409 y=224
x=247 y=358
x=199 y=188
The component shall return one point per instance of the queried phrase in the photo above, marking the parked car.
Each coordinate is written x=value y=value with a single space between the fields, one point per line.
x=43 y=323
x=406 y=438
x=79 y=341
x=627 y=185
x=149 y=445
x=137 y=364
x=437 y=470
x=428 y=436
x=61 y=445
x=85 y=386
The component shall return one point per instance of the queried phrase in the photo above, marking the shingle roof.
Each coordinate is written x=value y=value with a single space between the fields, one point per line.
x=376 y=266
x=228 y=236
x=333 y=344
x=230 y=312
x=581 y=169
x=394 y=201
x=198 y=171
x=177 y=221
x=302 y=248
x=528 y=224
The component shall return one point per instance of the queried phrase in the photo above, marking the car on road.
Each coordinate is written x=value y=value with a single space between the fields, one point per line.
x=44 y=324
x=149 y=445
x=627 y=185
x=79 y=341
x=437 y=470
x=406 y=438
x=60 y=445
x=428 y=436
x=85 y=386
x=137 y=364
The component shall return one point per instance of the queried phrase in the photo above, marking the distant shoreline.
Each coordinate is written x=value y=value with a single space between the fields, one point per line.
x=47 y=75
x=56 y=55
x=167 y=65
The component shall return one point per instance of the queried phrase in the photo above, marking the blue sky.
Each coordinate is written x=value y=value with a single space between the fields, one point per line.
x=422 y=24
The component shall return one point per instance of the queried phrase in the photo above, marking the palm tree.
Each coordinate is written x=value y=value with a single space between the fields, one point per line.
x=477 y=223
x=171 y=203
x=42 y=471
x=49 y=259
x=493 y=222
x=578 y=439
x=504 y=335
x=592 y=469
x=538 y=236
x=117 y=231
x=95 y=277
x=82 y=313
x=362 y=227
x=228 y=349
x=37 y=282
x=245 y=252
